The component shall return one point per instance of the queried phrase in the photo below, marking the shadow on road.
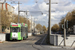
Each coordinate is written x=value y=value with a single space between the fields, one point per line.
x=42 y=40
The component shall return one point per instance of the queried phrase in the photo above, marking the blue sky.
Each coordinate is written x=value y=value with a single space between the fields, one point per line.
x=73 y=2
x=61 y=9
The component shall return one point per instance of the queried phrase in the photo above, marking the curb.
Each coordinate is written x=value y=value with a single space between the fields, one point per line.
x=69 y=47
x=62 y=47
x=55 y=47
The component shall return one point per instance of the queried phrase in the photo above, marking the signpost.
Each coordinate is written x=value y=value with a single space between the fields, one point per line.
x=65 y=30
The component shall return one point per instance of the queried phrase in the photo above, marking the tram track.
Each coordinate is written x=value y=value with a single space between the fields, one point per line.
x=33 y=41
x=40 y=42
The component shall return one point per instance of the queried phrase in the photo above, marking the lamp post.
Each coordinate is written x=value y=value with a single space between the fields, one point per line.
x=0 y=16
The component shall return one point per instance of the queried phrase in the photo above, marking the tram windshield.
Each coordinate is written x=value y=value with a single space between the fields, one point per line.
x=15 y=29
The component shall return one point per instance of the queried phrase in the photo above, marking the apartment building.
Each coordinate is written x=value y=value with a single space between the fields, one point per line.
x=9 y=13
x=32 y=26
x=9 y=8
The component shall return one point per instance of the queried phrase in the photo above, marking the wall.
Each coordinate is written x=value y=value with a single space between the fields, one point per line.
x=6 y=37
x=58 y=40
x=2 y=37
x=29 y=34
x=69 y=40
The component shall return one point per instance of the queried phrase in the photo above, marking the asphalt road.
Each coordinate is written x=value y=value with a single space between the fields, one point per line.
x=32 y=43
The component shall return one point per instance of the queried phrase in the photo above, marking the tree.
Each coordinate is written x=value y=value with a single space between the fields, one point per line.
x=44 y=29
x=6 y=19
x=15 y=18
x=39 y=27
x=70 y=17
x=55 y=28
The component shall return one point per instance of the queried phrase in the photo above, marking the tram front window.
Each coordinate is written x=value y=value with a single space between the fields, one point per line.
x=16 y=29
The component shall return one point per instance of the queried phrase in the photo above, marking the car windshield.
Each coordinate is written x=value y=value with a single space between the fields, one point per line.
x=16 y=29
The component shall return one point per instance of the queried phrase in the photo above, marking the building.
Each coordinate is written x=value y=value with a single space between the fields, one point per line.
x=32 y=26
x=6 y=6
x=9 y=8
x=9 y=13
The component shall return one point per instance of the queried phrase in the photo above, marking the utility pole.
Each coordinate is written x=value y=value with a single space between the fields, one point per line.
x=28 y=23
x=49 y=22
x=26 y=17
x=34 y=25
x=49 y=25
x=18 y=10
x=64 y=32
x=31 y=23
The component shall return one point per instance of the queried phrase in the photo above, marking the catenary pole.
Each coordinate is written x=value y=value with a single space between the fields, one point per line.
x=49 y=24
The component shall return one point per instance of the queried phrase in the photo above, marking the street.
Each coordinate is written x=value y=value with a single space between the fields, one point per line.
x=37 y=25
x=32 y=43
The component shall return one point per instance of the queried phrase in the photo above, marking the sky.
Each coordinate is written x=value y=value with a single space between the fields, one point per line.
x=57 y=10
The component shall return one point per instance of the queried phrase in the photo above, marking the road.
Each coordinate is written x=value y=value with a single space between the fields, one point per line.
x=32 y=43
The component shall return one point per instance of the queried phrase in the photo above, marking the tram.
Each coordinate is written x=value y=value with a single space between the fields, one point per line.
x=18 y=31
